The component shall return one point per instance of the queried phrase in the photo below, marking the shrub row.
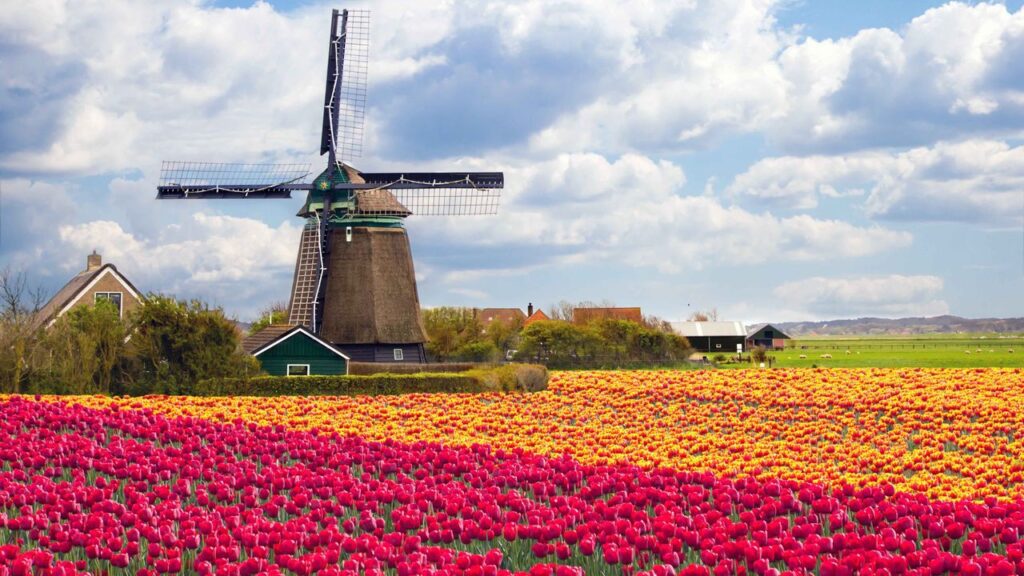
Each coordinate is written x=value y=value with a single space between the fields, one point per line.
x=510 y=378
x=364 y=368
x=371 y=385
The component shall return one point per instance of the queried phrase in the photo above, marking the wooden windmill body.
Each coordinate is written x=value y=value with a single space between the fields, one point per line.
x=354 y=283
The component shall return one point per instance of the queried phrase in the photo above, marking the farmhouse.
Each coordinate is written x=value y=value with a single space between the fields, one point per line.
x=721 y=337
x=287 y=350
x=587 y=315
x=97 y=282
x=766 y=335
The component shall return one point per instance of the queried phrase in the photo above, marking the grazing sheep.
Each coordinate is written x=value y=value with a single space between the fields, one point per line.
x=1010 y=351
x=804 y=356
x=826 y=355
x=847 y=351
x=967 y=351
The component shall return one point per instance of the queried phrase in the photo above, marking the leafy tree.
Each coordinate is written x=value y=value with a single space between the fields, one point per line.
x=84 y=349
x=504 y=335
x=177 y=343
x=559 y=343
x=448 y=329
x=480 y=351
x=606 y=342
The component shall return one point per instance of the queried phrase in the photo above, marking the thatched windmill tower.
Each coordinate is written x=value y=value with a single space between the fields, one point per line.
x=354 y=283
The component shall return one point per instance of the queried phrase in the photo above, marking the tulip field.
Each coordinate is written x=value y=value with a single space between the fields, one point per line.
x=833 y=472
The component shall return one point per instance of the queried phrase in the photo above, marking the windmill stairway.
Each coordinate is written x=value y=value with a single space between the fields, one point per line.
x=307 y=272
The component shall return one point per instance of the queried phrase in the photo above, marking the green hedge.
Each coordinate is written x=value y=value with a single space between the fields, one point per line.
x=510 y=378
x=373 y=385
x=364 y=368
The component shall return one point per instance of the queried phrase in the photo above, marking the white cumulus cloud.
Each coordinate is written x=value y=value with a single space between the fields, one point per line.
x=891 y=296
x=969 y=181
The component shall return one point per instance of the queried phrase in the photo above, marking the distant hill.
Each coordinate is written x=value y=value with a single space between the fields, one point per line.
x=902 y=326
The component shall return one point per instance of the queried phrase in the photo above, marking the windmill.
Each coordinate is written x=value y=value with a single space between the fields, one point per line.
x=354 y=284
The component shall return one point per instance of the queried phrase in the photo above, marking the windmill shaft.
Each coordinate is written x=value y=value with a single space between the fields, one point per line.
x=332 y=94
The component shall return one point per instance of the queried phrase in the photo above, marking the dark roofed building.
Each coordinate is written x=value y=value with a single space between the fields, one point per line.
x=286 y=350
x=97 y=282
x=587 y=315
x=716 y=337
x=766 y=335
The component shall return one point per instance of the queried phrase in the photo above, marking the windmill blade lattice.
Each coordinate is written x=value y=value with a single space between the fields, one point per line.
x=449 y=201
x=225 y=180
x=345 y=98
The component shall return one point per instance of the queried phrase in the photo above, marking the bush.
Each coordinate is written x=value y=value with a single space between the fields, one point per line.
x=510 y=378
x=759 y=354
x=513 y=377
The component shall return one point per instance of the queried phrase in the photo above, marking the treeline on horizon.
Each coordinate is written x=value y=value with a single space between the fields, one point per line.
x=458 y=335
x=167 y=346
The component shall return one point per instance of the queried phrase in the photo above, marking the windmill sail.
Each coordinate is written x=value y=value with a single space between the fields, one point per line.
x=223 y=180
x=345 y=93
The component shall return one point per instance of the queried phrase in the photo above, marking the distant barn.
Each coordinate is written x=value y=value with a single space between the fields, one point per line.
x=766 y=335
x=712 y=336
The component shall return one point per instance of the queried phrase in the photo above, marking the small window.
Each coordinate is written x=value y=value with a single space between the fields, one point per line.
x=112 y=297
x=399 y=355
x=298 y=369
x=718 y=345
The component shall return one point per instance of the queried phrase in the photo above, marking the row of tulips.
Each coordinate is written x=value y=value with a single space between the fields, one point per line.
x=946 y=433
x=113 y=490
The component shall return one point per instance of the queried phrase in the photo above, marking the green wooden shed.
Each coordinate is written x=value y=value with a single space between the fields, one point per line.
x=287 y=350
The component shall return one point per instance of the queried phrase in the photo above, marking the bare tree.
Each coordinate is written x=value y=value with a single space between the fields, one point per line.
x=561 y=311
x=704 y=316
x=17 y=327
x=275 y=313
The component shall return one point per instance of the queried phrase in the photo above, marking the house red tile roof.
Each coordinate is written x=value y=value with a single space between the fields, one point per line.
x=505 y=315
x=536 y=316
x=587 y=315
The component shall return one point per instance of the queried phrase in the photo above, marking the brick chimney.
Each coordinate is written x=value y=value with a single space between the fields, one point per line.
x=529 y=309
x=93 y=262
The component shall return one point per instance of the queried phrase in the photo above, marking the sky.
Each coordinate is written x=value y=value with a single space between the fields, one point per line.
x=776 y=160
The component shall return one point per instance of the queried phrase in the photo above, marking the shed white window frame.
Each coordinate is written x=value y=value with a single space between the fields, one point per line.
x=288 y=369
x=107 y=293
x=399 y=355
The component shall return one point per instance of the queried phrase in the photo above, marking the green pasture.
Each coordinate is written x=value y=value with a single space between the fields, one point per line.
x=925 y=351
